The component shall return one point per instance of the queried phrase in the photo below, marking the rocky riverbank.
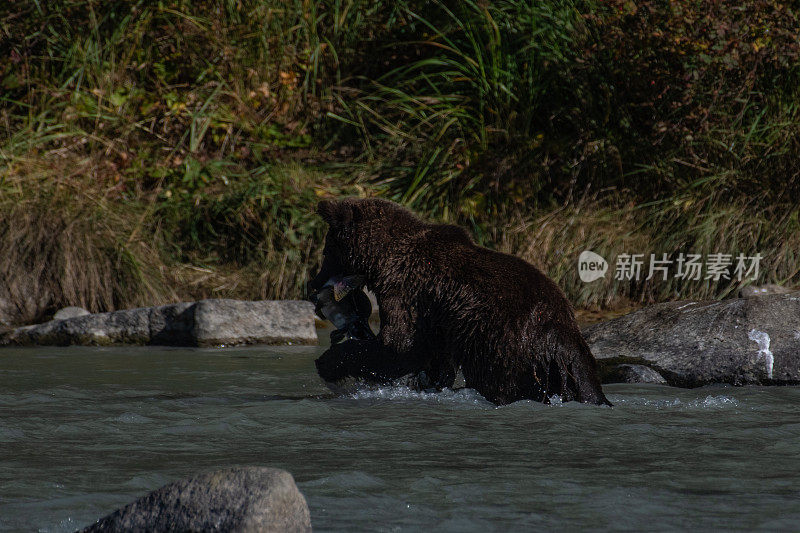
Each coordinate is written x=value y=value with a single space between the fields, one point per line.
x=739 y=341
x=752 y=340
x=203 y=323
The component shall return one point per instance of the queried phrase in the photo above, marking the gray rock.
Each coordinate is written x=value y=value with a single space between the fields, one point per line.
x=628 y=373
x=236 y=499
x=265 y=322
x=70 y=312
x=738 y=341
x=754 y=291
x=129 y=326
x=171 y=325
x=204 y=323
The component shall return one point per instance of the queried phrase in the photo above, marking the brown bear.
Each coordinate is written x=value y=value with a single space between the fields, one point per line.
x=446 y=303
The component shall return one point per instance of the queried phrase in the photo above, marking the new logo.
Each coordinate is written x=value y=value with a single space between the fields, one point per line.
x=591 y=266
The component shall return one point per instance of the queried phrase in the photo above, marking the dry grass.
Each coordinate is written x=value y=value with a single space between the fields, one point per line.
x=552 y=240
x=75 y=232
x=75 y=256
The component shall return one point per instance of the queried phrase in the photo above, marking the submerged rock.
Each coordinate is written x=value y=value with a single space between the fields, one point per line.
x=737 y=341
x=236 y=499
x=204 y=323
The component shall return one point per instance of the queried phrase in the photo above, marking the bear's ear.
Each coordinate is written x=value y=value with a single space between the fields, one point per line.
x=335 y=212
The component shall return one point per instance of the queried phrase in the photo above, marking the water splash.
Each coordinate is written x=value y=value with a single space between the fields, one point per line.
x=462 y=396
x=400 y=392
x=709 y=402
x=715 y=401
x=762 y=339
x=556 y=401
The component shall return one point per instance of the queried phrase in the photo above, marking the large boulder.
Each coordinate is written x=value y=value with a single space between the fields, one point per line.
x=737 y=341
x=266 y=322
x=236 y=499
x=129 y=326
x=204 y=323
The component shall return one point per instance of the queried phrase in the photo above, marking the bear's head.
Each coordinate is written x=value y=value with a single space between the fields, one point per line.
x=363 y=231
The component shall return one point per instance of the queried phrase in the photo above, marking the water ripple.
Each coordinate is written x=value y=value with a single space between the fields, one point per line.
x=84 y=431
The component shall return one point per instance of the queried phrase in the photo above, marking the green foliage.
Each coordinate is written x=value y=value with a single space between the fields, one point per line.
x=535 y=102
x=474 y=98
x=184 y=144
x=264 y=219
x=701 y=95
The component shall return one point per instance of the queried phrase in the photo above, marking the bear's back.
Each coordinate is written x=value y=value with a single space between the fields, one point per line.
x=489 y=280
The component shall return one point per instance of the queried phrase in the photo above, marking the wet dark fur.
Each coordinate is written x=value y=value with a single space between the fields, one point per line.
x=445 y=302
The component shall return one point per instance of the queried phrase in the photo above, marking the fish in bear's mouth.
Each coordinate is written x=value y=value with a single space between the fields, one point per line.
x=342 y=301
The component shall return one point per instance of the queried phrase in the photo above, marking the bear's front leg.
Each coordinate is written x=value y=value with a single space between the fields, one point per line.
x=398 y=325
x=363 y=360
x=399 y=334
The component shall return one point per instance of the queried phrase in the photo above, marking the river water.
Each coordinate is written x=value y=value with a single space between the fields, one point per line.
x=86 y=430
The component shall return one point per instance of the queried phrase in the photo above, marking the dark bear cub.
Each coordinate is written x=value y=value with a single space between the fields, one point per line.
x=446 y=303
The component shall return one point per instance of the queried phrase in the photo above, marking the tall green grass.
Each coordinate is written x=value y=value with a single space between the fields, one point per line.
x=472 y=103
x=141 y=146
x=153 y=151
x=532 y=103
